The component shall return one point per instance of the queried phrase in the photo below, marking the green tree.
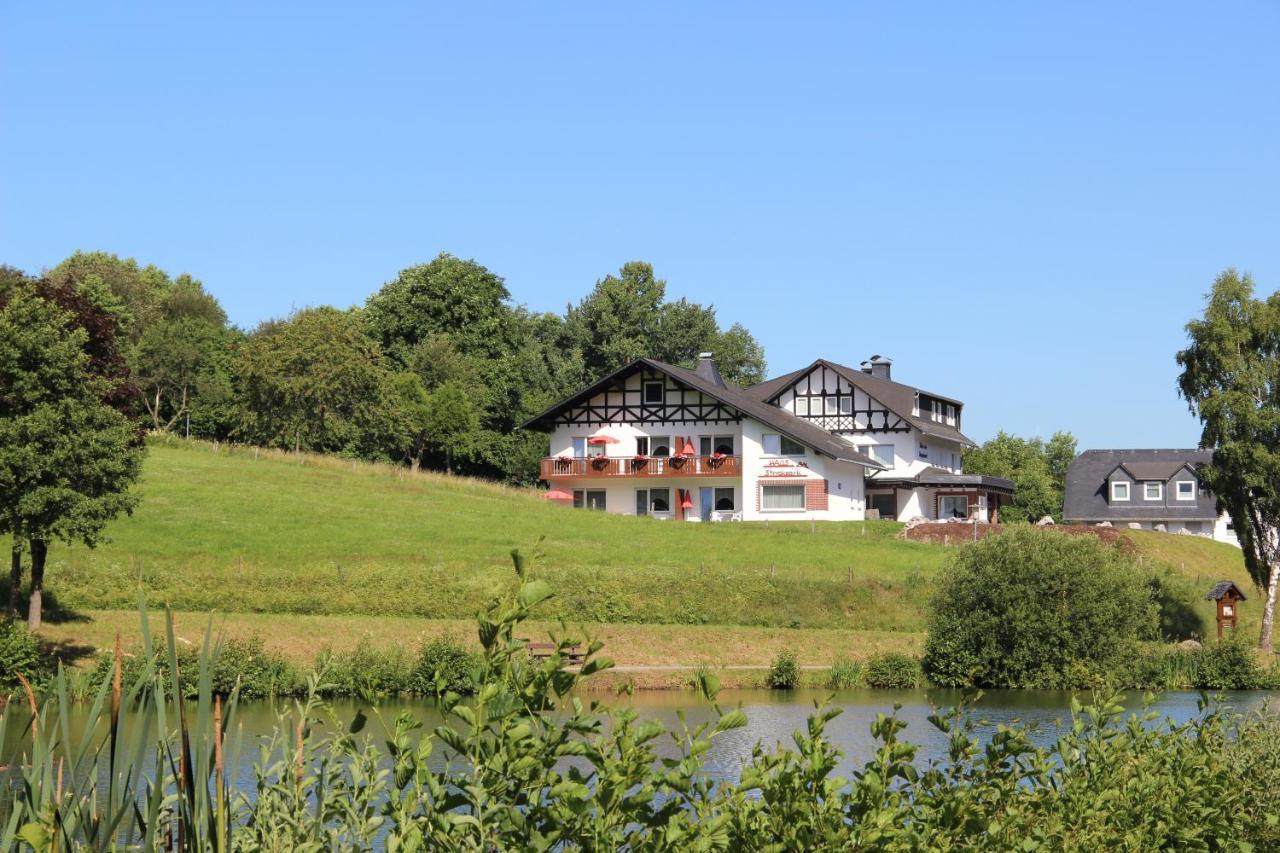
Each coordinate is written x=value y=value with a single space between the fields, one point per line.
x=1038 y=469
x=141 y=290
x=312 y=382
x=739 y=356
x=181 y=360
x=412 y=417
x=461 y=299
x=1231 y=381
x=451 y=421
x=1036 y=608
x=67 y=459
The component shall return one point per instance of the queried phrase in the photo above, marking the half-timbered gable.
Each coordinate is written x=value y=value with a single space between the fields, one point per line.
x=646 y=396
x=829 y=400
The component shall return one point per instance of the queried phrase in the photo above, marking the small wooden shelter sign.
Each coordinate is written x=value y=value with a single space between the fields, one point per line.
x=1228 y=596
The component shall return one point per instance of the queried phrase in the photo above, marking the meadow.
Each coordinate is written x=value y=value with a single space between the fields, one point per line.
x=313 y=551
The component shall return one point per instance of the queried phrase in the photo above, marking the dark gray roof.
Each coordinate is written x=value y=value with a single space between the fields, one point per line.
x=933 y=476
x=1086 y=489
x=898 y=398
x=1220 y=589
x=795 y=428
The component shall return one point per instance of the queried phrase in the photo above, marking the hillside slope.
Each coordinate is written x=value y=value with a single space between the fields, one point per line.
x=236 y=530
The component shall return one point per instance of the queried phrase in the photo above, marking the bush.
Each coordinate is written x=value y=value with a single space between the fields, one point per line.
x=1228 y=665
x=845 y=674
x=21 y=652
x=893 y=670
x=261 y=674
x=1036 y=608
x=443 y=665
x=366 y=670
x=784 y=672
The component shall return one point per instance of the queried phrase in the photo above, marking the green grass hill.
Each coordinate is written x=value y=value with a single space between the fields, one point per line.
x=239 y=531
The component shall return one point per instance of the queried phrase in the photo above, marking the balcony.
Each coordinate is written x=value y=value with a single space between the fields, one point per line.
x=605 y=467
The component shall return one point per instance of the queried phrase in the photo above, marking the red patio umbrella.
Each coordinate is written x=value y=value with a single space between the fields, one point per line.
x=687 y=501
x=556 y=495
x=688 y=448
x=602 y=439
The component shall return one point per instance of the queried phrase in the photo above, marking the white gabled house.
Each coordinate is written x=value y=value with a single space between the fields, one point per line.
x=824 y=443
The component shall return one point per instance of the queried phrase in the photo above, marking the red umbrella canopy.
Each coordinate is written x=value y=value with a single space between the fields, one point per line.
x=687 y=503
x=602 y=439
x=688 y=448
x=556 y=495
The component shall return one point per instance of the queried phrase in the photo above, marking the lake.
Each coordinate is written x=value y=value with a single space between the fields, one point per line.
x=773 y=715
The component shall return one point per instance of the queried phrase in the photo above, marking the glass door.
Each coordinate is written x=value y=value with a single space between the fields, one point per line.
x=707 y=499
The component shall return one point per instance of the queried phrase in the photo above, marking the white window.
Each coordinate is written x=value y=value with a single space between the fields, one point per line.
x=924 y=451
x=642 y=445
x=830 y=404
x=1119 y=490
x=846 y=405
x=951 y=414
x=802 y=406
x=937 y=411
x=724 y=500
x=588 y=499
x=709 y=445
x=953 y=506
x=580 y=447
x=660 y=445
x=653 y=392
x=782 y=498
x=1186 y=490
x=1153 y=491
x=915 y=407
x=882 y=453
x=779 y=445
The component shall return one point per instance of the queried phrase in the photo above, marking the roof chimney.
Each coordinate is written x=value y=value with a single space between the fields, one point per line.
x=707 y=369
x=878 y=366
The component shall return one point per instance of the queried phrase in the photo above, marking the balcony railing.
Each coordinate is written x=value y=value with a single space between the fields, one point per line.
x=560 y=467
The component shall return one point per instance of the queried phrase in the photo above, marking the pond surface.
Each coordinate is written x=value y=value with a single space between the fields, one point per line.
x=773 y=715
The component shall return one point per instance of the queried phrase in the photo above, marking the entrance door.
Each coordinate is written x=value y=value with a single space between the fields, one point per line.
x=707 y=500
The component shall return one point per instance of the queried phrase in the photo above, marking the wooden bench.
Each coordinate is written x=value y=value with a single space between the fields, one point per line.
x=543 y=651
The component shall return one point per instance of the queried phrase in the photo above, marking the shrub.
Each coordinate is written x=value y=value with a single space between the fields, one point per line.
x=1228 y=665
x=845 y=674
x=21 y=652
x=893 y=670
x=260 y=673
x=366 y=670
x=1020 y=609
x=784 y=672
x=443 y=664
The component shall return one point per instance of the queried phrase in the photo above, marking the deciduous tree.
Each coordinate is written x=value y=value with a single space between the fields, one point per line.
x=1038 y=469
x=67 y=459
x=1231 y=381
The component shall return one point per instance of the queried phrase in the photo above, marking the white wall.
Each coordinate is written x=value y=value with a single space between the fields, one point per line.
x=845 y=497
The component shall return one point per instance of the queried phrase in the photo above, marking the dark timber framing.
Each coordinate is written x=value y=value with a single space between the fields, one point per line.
x=622 y=405
x=875 y=419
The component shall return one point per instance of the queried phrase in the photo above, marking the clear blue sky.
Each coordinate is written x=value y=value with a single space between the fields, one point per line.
x=1022 y=206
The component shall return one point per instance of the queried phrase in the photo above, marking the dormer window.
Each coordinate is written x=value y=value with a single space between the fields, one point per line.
x=1153 y=490
x=1119 y=491
x=951 y=415
x=915 y=406
x=937 y=411
x=1186 y=490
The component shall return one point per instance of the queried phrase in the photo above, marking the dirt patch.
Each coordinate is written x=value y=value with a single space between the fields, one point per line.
x=944 y=533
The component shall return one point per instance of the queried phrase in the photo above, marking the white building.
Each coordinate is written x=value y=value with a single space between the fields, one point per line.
x=826 y=442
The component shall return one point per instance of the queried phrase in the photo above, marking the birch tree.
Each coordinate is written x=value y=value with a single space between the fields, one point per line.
x=1231 y=381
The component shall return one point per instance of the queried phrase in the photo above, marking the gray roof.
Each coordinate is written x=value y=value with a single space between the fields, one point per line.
x=1221 y=588
x=1086 y=489
x=795 y=428
x=898 y=398
x=934 y=476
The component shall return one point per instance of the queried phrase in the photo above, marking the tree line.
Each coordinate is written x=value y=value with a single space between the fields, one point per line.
x=436 y=369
